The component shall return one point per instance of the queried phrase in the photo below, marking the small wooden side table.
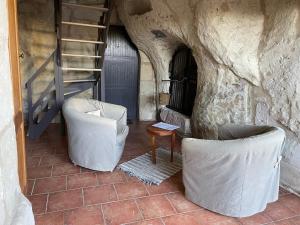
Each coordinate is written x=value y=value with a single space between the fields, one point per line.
x=153 y=132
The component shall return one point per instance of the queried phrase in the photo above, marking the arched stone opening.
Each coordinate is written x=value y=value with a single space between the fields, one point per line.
x=183 y=81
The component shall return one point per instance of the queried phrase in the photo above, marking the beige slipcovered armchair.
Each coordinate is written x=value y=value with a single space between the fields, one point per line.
x=96 y=133
x=236 y=175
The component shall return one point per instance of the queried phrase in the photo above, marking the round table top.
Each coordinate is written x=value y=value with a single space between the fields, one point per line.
x=159 y=132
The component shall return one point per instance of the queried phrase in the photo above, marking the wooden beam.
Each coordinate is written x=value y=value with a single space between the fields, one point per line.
x=83 y=24
x=79 y=69
x=80 y=81
x=17 y=91
x=81 y=41
x=85 y=6
x=78 y=55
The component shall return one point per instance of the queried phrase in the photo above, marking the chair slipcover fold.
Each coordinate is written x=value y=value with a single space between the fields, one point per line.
x=95 y=142
x=236 y=176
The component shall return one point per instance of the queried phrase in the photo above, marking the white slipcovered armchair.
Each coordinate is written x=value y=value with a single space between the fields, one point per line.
x=96 y=133
x=236 y=175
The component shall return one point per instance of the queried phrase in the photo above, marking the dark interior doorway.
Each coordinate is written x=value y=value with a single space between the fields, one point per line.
x=121 y=71
x=183 y=76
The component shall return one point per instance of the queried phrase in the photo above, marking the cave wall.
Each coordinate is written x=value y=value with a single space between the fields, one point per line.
x=247 y=54
x=248 y=60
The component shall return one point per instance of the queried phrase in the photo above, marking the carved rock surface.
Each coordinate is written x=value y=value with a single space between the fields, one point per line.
x=248 y=57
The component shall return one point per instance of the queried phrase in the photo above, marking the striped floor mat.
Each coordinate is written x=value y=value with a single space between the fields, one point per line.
x=143 y=168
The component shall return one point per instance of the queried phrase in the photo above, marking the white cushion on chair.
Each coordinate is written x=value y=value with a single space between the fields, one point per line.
x=95 y=113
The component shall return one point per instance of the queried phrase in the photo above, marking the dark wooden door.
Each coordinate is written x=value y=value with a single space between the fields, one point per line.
x=121 y=69
x=183 y=86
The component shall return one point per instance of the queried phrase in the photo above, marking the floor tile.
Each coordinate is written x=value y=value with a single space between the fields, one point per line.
x=84 y=216
x=291 y=221
x=166 y=201
x=101 y=194
x=32 y=161
x=149 y=222
x=277 y=211
x=131 y=190
x=181 y=204
x=30 y=184
x=257 y=219
x=173 y=184
x=54 y=159
x=41 y=150
x=82 y=180
x=121 y=212
x=111 y=177
x=65 y=200
x=155 y=206
x=65 y=169
x=38 y=203
x=292 y=202
x=206 y=217
x=197 y=218
x=50 y=184
x=50 y=219
x=180 y=219
x=39 y=172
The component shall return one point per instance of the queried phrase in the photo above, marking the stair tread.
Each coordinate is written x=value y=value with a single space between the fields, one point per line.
x=79 y=80
x=80 y=69
x=82 y=40
x=83 y=24
x=103 y=9
x=80 y=55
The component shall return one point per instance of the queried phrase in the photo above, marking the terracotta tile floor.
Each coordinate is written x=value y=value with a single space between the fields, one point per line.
x=64 y=194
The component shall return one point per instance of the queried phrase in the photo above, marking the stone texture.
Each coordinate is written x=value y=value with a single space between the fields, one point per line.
x=248 y=60
x=147 y=95
x=247 y=54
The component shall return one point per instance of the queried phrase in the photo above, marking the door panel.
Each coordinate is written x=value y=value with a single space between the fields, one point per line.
x=121 y=68
x=17 y=91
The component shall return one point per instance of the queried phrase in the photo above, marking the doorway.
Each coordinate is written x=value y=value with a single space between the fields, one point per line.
x=183 y=76
x=121 y=71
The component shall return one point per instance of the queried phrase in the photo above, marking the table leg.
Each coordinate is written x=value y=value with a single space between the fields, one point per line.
x=153 y=149
x=173 y=141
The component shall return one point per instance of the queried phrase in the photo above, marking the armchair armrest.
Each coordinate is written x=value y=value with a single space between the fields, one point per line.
x=115 y=112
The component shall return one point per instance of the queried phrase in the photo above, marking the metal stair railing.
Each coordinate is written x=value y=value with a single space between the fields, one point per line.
x=73 y=86
x=37 y=125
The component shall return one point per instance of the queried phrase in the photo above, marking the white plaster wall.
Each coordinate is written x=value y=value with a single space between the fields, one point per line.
x=14 y=207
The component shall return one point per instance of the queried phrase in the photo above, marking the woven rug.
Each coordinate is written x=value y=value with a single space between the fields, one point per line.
x=143 y=168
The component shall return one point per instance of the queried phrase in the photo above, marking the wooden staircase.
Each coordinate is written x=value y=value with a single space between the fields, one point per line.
x=50 y=101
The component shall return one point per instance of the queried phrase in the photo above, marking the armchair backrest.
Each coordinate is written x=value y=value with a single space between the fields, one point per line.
x=232 y=131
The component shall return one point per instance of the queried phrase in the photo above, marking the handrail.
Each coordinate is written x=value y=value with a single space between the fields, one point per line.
x=43 y=95
x=41 y=69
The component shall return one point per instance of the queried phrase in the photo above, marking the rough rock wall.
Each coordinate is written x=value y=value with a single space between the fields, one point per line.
x=147 y=100
x=14 y=207
x=247 y=54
